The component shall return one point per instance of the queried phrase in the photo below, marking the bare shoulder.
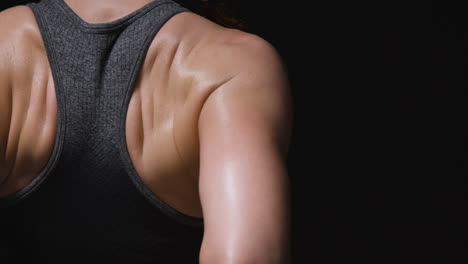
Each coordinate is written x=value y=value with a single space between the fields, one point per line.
x=241 y=52
x=20 y=37
x=15 y=20
x=244 y=70
x=223 y=52
x=21 y=45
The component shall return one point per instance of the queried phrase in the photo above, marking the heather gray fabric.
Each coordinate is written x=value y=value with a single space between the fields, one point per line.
x=88 y=204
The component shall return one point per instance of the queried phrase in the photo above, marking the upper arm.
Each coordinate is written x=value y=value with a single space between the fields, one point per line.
x=244 y=132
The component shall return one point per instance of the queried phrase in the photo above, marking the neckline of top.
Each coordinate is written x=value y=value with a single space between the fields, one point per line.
x=111 y=25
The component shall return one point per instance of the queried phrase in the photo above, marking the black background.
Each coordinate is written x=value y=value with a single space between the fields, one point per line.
x=378 y=141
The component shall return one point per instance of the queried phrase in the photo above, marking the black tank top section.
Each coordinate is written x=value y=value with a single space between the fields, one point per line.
x=88 y=204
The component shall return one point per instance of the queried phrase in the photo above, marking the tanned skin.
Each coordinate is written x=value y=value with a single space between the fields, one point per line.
x=210 y=137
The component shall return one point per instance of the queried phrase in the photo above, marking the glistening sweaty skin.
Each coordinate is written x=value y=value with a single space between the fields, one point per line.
x=207 y=126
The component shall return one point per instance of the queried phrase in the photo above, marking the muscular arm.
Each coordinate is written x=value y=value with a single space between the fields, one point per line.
x=244 y=131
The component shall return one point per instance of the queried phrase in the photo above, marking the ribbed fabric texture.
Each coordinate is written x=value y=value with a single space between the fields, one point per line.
x=89 y=205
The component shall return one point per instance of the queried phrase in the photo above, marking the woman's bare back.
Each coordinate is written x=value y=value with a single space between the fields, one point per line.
x=194 y=71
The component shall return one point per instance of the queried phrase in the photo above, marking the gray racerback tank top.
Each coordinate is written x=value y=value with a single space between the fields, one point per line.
x=88 y=204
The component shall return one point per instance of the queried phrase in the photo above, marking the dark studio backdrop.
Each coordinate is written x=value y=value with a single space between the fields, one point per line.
x=378 y=141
